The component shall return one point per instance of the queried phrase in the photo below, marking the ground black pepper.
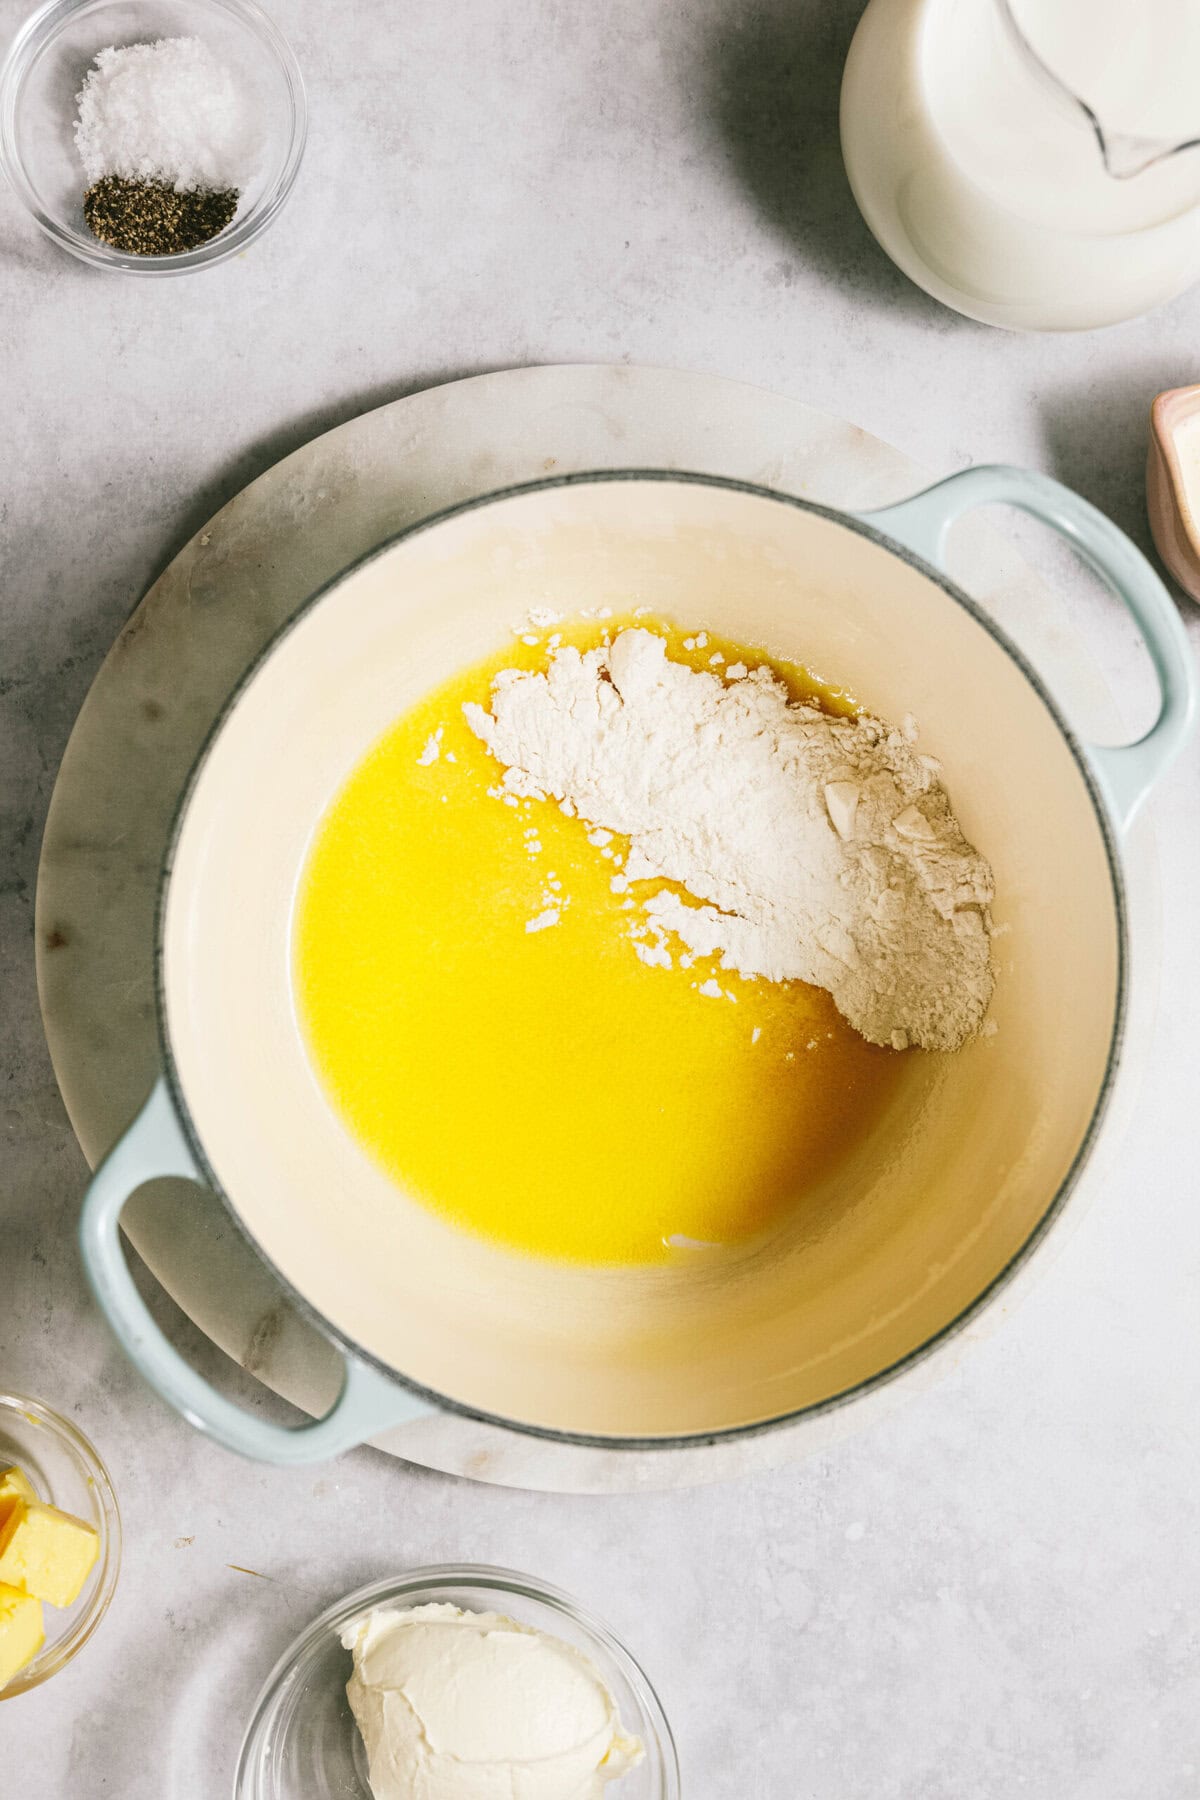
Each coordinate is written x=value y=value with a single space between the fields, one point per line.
x=150 y=218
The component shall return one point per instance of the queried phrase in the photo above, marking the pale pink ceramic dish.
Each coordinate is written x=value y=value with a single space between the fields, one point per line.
x=1173 y=484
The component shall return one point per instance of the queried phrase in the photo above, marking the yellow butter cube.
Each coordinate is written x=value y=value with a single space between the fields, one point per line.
x=48 y=1553
x=14 y=1485
x=21 y=1632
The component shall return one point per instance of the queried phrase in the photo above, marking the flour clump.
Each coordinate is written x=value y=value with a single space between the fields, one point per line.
x=808 y=847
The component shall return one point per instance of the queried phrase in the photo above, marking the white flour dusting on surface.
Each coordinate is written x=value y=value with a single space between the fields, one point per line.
x=810 y=848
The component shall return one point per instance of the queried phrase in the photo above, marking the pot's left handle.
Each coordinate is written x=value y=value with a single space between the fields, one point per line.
x=1127 y=772
x=155 y=1145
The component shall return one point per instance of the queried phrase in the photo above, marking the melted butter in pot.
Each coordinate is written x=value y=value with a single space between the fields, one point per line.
x=478 y=1015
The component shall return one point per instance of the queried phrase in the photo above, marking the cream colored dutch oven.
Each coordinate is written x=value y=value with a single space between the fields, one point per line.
x=918 y=1229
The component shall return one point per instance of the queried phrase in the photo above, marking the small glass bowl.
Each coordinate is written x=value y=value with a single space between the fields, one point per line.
x=66 y=1471
x=302 y=1739
x=44 y=71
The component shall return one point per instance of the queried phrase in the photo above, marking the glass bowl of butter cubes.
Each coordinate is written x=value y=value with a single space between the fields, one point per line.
x=60 y=1543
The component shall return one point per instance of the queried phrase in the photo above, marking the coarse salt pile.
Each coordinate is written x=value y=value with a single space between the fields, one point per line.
x=166 y=112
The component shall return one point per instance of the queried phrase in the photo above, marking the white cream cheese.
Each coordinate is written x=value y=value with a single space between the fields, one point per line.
x=459 y=1705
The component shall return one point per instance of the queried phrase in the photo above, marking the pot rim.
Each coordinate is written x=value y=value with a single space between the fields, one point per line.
x=1054 y=1208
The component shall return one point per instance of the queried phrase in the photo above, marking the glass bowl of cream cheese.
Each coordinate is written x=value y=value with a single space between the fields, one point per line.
x=449 y=1680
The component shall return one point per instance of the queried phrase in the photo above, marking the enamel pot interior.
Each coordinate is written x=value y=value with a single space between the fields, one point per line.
x=912 y=1228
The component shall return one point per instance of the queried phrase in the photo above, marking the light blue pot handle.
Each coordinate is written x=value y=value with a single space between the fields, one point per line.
x=155 y=1145
x=1126 y=773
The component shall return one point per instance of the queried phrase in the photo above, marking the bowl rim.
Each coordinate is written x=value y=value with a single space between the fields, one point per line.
x=490 y=1578
x=59 y=1652
x=38 y=32
x=1055 y=1205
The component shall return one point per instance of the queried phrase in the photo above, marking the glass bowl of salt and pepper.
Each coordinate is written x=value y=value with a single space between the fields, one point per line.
x=152 y=137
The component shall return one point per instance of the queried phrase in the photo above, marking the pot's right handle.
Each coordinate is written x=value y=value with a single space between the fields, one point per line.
x=1129 y=771
x=155 y=1144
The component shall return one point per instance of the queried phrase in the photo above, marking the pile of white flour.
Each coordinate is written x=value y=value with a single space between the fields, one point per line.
x=811 y=848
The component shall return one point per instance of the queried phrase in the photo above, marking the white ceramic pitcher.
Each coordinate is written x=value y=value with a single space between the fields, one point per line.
x=1031 y=163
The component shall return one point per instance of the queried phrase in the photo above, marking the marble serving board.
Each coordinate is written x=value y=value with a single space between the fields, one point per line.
x=184 y=649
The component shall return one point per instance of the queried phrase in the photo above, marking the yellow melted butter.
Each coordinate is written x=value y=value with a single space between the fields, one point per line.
x=547 y=1089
